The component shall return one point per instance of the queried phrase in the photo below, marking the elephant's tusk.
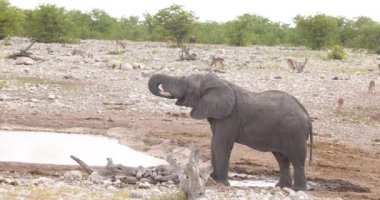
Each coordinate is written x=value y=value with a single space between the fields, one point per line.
x=166 y=94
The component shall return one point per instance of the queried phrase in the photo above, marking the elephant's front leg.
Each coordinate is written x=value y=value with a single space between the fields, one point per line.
x=221 y=147
x=284 y=164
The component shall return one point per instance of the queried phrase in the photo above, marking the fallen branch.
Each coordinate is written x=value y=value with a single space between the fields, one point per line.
x=132 y=175
x=24 y=53
x=85 y=167
x=191 y=178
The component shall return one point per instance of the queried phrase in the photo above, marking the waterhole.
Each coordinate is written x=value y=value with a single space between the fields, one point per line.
x=244 y=180
x=56 y=148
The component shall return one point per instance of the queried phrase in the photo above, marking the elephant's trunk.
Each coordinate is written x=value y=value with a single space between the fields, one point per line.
x=170 y=86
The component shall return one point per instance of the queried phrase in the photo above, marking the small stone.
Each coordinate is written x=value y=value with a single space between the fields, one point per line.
x=95 y=178
x=51 y=96
x=73 y=175
x=144 y=185
x=127 y=66
x=136 y=66
x=25 y=61
x=289 y=191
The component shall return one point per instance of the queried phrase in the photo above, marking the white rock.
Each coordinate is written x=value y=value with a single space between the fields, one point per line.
x=136 y=66
x=95 y=178
x=144 y=185
x=51 y=96
x=127 y=66
x=73 y=175
x=25 y=61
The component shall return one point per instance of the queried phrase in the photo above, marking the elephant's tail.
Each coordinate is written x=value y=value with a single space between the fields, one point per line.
x=311 y=141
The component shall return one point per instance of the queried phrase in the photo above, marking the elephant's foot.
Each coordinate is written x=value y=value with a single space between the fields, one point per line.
x=283 y=184
x=299 y=187
x=224 y=182
x=218 y=180
x=285 y=181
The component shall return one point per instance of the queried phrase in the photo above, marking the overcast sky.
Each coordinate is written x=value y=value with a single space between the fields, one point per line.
x=222 y=10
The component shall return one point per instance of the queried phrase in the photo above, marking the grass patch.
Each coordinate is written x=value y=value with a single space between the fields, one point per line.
x=356 y=115
x=3 y=83
x=350 y=115
x=32 y=81
x=116 y=52
x=179 y=195
x=32 y=192
x=352 y=70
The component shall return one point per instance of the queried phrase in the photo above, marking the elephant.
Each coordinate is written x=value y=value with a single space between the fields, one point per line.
x=269 y=121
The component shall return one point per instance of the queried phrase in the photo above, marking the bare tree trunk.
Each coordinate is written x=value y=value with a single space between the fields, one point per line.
x=192 y=179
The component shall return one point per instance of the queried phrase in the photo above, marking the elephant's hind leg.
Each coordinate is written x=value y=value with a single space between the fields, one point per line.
x=284 y=164
x=300 y=182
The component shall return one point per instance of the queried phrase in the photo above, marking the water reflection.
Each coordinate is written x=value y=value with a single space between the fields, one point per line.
x=56 y=148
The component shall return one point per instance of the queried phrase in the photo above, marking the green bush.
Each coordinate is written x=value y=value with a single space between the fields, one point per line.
x=49 y=24
x=336 y=52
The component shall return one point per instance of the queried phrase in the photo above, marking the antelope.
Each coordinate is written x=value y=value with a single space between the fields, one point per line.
x=291 y=64
x=371 y=87
x=217 y=60
x=294 y=65
x=340 y=103
x=120 y=43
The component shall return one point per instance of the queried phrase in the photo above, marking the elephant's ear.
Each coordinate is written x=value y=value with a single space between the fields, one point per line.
x=216 y=101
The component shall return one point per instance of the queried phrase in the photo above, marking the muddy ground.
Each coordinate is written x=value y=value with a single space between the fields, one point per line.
x=343 y=165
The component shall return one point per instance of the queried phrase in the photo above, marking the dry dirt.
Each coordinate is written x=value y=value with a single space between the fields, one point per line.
x=341 y=167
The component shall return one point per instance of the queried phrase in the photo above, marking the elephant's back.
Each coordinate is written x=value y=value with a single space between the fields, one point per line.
x=275 y=109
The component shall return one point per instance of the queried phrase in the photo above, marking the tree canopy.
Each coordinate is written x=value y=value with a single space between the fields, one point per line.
x=49 y=23
x=175 y=22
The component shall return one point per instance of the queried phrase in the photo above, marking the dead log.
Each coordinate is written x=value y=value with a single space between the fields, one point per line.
x=185 y=54
x=132 y=175
x=192 y=178
x=24 y=53
x=85 y=167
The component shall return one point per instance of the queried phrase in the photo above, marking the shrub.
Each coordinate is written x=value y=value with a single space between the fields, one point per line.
x=336 y=52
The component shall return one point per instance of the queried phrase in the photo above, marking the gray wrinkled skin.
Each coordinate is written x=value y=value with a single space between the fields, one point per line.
x=272 y=121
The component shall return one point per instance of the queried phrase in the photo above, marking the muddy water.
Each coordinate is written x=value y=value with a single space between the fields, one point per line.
x=244 y=180
x=252 y=183
x=56 y=148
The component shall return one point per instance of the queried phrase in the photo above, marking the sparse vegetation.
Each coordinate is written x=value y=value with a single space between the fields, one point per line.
x=3 y=83
x=336 y=52
x=33 y=192
x=116 y=52
x=179 y=195
x=355 y=115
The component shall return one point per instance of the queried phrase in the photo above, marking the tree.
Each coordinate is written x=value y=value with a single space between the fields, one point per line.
x=254 y=29
x=239 y=30
x=101 y=24
x=49 y=23
x=81 y=23
x=210 y=32
x=11 y=19
x=175 y=22
x=369 y=37
x=317 y=31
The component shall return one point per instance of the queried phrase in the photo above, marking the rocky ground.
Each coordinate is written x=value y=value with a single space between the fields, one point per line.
x=95 y=87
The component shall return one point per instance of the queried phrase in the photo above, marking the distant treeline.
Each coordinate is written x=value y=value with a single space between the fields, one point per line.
x=49 y=23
